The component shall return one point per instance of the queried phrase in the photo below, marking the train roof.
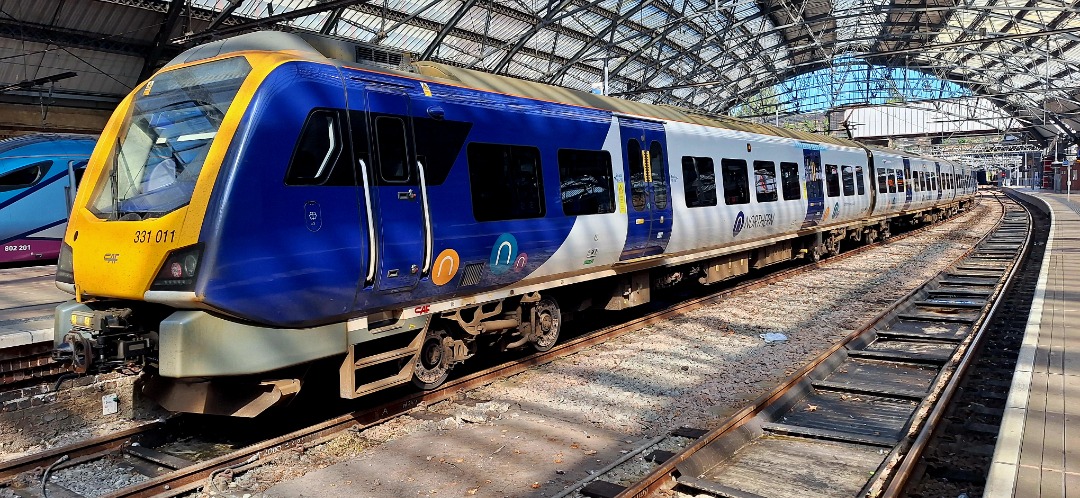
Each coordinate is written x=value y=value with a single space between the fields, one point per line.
x=348 y=52
x=10 y=144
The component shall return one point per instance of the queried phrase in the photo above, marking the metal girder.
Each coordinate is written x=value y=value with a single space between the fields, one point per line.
x=172 y=16
x=248 y=24
x=451 y=24
x=381 y=35
x=596 y=38
x=553 y=9
x=40 y=33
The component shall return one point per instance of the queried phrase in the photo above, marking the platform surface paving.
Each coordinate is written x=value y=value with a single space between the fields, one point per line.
x=28 y=297
x=1038 y=448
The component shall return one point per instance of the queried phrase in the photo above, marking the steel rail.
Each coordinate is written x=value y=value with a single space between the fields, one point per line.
x=662 y=475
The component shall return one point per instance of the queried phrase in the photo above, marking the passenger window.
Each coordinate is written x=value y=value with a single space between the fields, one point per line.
x=892 y=181
x=736 y=188
x=656 y=165
x=789 y=178
x=900 y=180
x=832 y=180
x=24 y=176
x=506 y=182
x=882 y=181
x=319 y=150
x=699 y=181
x=393 y=156
x=849 y=179
x=438 y=144
x=765 y=180
x=638 y=195
x=859 y=173
x=585 y=182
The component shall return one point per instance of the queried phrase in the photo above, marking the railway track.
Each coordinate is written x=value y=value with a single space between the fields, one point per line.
x=165 y=476
x=959 y=457
x=855 y=421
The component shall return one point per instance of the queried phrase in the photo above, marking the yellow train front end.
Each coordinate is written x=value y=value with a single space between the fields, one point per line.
x=132 y=253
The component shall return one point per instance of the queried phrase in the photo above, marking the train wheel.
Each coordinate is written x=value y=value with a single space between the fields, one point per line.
x=548 y=324
x=433 y=362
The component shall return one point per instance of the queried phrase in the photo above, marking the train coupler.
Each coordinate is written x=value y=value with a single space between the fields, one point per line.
x=101 y=341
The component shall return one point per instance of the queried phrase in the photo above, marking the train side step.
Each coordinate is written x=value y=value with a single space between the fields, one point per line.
x=390 y=374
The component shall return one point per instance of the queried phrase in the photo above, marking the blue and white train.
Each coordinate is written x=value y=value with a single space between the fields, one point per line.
x=38 y=177
x=258 y=206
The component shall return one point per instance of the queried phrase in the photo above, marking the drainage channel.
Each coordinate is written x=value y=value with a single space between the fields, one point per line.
x=846 y=424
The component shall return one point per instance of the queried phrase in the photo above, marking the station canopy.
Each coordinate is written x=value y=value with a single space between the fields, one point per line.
x=1019 y=57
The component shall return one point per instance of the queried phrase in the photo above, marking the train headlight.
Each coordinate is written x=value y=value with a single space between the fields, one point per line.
x=65 y=268
x=179 y=270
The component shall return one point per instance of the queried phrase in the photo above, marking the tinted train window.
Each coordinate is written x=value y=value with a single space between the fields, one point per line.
x=765 y=180
x=438 y=143
x=699 y=181
x=638 y=195
x=320 y=157
x=859 y=173
x=848 y=173
x=656 y=165
x=736 y=181
x=394 y=164
x=882 y=181
x=24 y=176
x=506 y=182
x=900 y=180
x=789 y=178
x=892 y=181
x=832 y=180
x=585 y=182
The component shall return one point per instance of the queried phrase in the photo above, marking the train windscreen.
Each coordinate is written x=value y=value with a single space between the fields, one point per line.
x=164 y=140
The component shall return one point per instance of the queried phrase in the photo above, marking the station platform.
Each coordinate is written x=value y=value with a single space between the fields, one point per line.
x=1038 y=446
x=28 y=297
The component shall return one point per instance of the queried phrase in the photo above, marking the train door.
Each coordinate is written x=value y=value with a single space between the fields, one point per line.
x=906 y=182
x=647 y=188
x=395 y=184
x=815 y=191
x=937 y=180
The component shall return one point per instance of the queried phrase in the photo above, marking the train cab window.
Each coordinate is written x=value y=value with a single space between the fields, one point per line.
x=319 y=150
x=394 y=164
x=789 y=179
x=882 y=181
x=585 y=182
x=832 y=180
x=24 y=176
x=765 y=181
x=656 y=166
x=736 y=181
x=892 y=181
x=506 y=182
x=848 y=176
x=638 y=195
x=699 y=181
x=859 y=181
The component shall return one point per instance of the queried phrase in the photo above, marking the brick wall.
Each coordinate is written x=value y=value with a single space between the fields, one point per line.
x=31 y=415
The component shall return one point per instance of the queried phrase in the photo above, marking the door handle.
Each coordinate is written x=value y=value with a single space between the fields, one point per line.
x=406 y=196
